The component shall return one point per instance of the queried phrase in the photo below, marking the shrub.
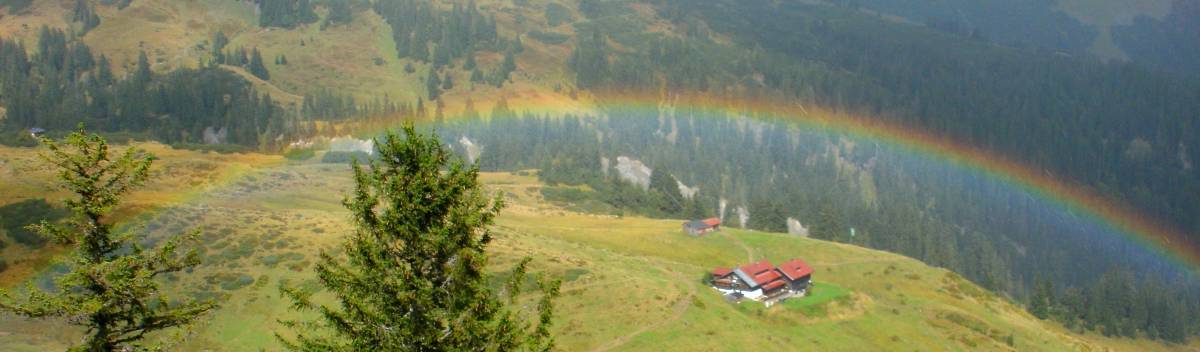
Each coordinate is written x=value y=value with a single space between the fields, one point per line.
x=300 y=154
x=551 y=38
x=16 y=216
x=17 y=139
x=333 y=157
x=242 y=280
x=219 y=148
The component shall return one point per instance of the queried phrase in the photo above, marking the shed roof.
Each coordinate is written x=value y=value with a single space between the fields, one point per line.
x=696 y=225
x=721 y=272
x=712 y=221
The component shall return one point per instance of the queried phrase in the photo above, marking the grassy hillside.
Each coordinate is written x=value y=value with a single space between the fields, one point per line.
x=629 y=283
x=358 y=58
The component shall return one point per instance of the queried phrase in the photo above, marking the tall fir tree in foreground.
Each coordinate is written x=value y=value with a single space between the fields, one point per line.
x=414 y=278
x=109 y=287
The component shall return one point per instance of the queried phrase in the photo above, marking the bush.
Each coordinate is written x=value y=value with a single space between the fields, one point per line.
x=219 y=148
x=551 y=38
x=333 y=157
x=16 y=216
x=300 y=154
x=242 y=280
x=17 y=139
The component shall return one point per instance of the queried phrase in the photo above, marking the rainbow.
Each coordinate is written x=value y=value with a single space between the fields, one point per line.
x=1113 y=215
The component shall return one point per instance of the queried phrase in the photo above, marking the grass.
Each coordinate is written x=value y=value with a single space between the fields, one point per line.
x=819 y=294
x=628 y=283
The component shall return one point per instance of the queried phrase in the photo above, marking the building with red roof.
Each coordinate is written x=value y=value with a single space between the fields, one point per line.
x=798 y=274
x=700 y=227
x=762 y=281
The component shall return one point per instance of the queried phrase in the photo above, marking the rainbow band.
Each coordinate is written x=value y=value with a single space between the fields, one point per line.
x=1121 y=219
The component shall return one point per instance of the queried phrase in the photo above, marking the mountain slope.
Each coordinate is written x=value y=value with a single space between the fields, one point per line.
x=629 y=283
x=1067 y=116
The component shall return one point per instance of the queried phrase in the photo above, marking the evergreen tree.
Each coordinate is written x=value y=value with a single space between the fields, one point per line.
x=1042 y=300
x=448 y=82
x=695 y=209
x=476 y=76
x=470 y=64
x=828 y=225
x=304 y=11
x=415 y=278
x=104 y=74
x=257 y=68
x=509 y=64
x=663 y=184
x=85 y=15
x=110 y=286
x=339 y=13
x=219 y=42
x=433 y=84
x=143 y=75
x=408 y=68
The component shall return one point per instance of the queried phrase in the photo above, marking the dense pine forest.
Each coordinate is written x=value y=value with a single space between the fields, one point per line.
x=64 y=84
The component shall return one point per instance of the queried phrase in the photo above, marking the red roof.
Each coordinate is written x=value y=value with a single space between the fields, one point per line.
x=772 y=285
x=755 y=268
x=795 y=269
x=721 y=272
x=712 y=222
x=767 y=276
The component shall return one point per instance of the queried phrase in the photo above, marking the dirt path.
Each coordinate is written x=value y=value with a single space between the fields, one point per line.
x=677 y=312
x=862 y=261
x=749 y=251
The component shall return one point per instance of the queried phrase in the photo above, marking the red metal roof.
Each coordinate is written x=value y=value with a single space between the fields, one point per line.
x=772 y=284
x=767 y=276
x=721 y=272
x=755 y=268
x=712 y=222
x=795 y=269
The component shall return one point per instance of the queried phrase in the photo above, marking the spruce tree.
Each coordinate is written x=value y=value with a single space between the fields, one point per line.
x=448 y=82
x=339 y=13
x=257 y=68
x=662 y=183
x=476 y=75
x=433 y=84
x=219 y=42
x=470 y=64
x=143 y=73
x=110 y=286
x=414 y=277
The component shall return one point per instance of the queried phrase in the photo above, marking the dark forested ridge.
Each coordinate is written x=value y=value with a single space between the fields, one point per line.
x=1168 y=44
x=1126 y=132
